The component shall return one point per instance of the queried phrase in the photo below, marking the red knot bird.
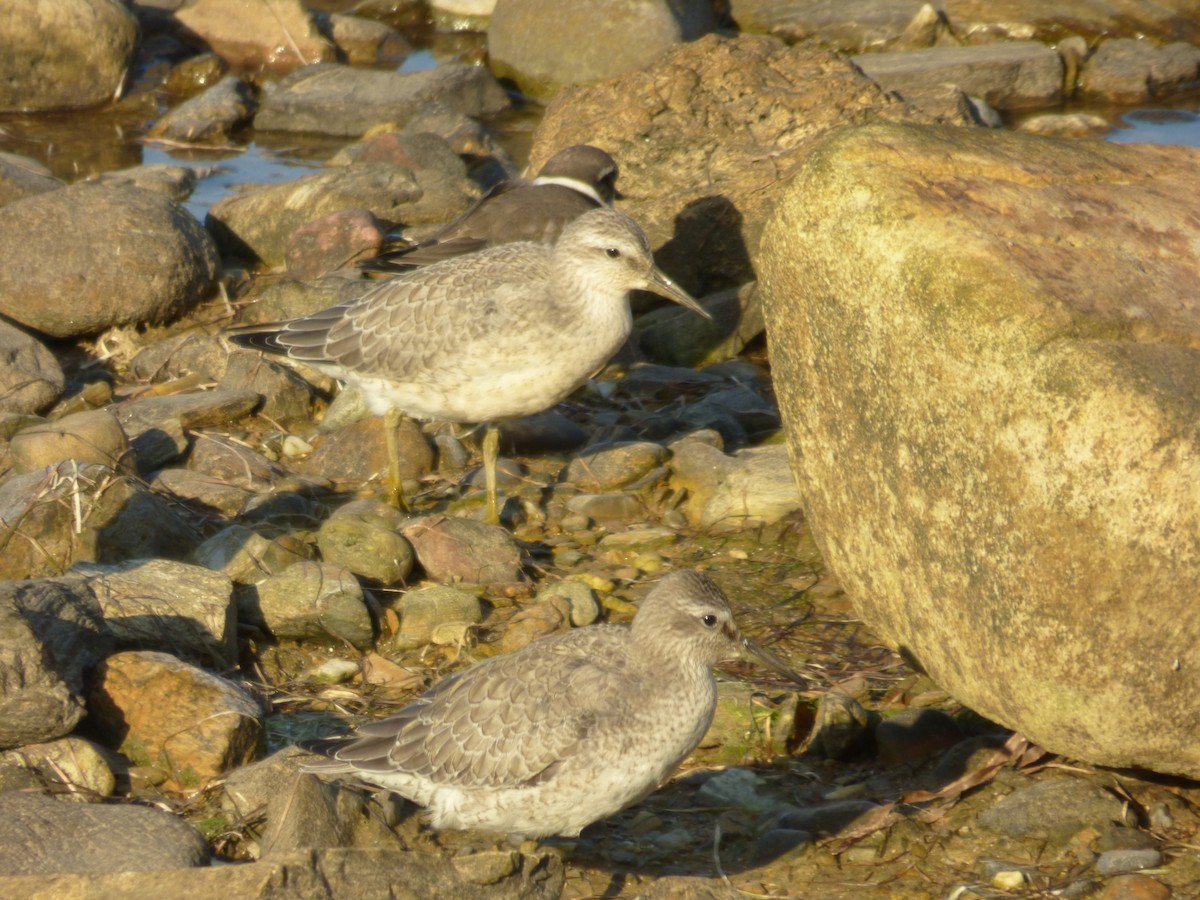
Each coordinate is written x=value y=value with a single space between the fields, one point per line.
x=504 y=332
x=572 y=182
x=563 y=732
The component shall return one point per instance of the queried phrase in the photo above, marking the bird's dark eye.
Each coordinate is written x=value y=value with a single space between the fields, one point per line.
x=710 y=620
x=613 y=252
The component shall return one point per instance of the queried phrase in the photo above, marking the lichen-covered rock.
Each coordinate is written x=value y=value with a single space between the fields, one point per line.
x=984 y=351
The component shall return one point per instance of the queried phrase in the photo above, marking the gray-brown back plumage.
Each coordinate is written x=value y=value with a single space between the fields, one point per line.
x=563 y=732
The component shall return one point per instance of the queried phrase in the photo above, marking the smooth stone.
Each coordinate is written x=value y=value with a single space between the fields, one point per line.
x=246 y=556
x=1054 y=809
x=1119 y=862
x=281 y=36
x=538 y=620
x=543 y=45
x=51 y=636
x=610 y=506
x=30 y=376
x=334 y=241
x=159 y=710
x=608 y=466
x=21 y=176
x=1066 y=125
x=580 y=598
x=739 y=788
x=86 y=437
x=65 y=54
x=234 y=463
x=465 y=550
x=195 y=74
x=983 y=464
x=286 y=397
x=84 y=513
x=200 y=409
x=423 y=610
x=173 y=182
x=123 y=256
x=546 y=432
x=367 y=42
x=179 y=356
x=366 y=547
x=201 y=492
x=315 y=98
x=357 y=452
x=316 y=601
x=41 y=837
x=78 y=765
x=210 y=116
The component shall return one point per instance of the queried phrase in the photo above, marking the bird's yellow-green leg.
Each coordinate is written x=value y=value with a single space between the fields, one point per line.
x=491 y=450
x=393 y=419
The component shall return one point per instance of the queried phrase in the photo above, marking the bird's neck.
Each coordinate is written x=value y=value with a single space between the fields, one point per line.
x=581 y=187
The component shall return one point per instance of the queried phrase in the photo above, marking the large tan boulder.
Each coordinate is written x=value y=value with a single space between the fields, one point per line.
x=987 y=354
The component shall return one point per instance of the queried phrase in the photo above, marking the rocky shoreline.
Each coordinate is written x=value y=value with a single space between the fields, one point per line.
x=979 y=352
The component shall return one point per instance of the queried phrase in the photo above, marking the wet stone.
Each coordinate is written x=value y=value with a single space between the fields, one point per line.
x=1119 y=862
x=22 y=176
x=315 y=601
x=1134 y=887
x=1125 y=70
x=611 y=506
x=210 y=116
x=366 y=42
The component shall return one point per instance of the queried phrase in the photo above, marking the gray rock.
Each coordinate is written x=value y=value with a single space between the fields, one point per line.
x=610 y=506
x=199 y=409
x=424 y=610
x=286 y=397
x=201 y=492
x=543 y=45
x=1054 y=809
x=740 y=789
x=357 y=452
x=366 y=545
x=30 y=377
x=944 y=487
x=300 y=810
x=1008 y=75
x=49 y=636
x=41 y=836
x=367 y=42
x=851 y=26
x=210 y=116
x=756 y=487
x=281 y=36
x=94 y=436
x=608 y=466
x=1118 y=862
x=1124 y=70
x=463 y=549
x=315 y=601
x=122 y=256
x=545 y=432
x=70 y=513
x=581 y=599
x=21 y=176
x=326 y=874
x=275 y=299
x=65 y=55
x=234 y=463
x=158 y=604
x=344 y=101
x=246 y=556
x=174 y=182
x=189 y=353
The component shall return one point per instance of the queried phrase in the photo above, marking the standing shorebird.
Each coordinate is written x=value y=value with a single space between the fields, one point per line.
x=508 y=331
x=572 y=182
x=563 y=732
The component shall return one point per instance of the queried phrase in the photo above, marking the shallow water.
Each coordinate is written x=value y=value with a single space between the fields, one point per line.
x=1150 y=125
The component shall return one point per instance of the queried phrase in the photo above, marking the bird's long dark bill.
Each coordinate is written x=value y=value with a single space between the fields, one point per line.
x=771 y=661
x=665 y=287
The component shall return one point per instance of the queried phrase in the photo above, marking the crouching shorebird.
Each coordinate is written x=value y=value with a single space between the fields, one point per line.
x=508 y=331
x=572 y=182
x=563 y=732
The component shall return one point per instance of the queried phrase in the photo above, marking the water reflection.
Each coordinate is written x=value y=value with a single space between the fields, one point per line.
x=1180 y=125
